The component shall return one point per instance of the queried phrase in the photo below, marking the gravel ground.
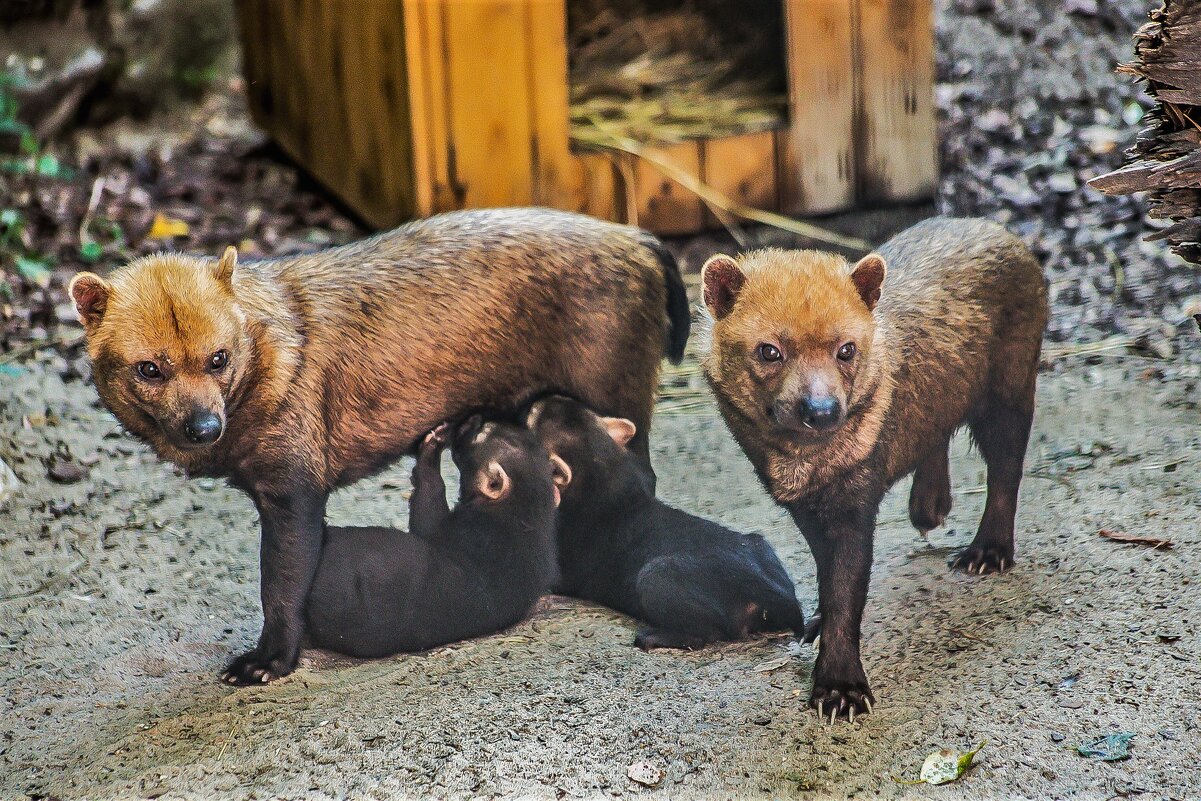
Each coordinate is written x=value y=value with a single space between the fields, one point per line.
x=125 y=592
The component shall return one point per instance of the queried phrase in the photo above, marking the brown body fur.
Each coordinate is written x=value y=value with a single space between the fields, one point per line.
x=340 y=360
x=954 y=340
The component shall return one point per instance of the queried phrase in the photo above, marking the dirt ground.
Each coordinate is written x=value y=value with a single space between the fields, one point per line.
x=124 y=593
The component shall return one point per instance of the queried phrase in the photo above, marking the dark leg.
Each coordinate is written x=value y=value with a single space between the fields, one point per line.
x=843 y=553
x=930 y=498
x=428 y=508
x=682 y=606
x=1001 y=433
x=293 y=527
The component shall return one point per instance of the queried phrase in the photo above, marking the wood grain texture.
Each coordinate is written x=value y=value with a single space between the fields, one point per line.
x=896 y=157
x=817 y=154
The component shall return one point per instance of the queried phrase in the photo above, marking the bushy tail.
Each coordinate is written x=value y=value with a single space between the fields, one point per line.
x=679 y=316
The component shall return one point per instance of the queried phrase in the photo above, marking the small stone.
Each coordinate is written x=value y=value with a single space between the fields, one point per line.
x=65 y=471
x=1057 y=737
x=644 y=773
x=1072 y=703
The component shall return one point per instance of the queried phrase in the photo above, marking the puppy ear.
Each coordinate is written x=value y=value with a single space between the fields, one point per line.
x=620 y=429
x=225 y=267
x=722 y=279
x=561 y=473
x=493 y=482
x=868 y=275
x=90 y=293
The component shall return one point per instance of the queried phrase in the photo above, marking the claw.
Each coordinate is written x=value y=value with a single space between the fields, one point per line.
x=851 y=713
x=868 y=703
x=833 y=715
x=820 y=713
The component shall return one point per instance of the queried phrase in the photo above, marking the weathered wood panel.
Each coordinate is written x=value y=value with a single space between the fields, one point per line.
x=896 y=156
x=816 y=152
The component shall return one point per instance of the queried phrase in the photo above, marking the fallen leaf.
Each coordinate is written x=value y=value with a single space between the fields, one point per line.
x=35 y=270
x=644 y=773
x=1110 y=748
x=771 y=664
x=1121 y=536
x=167 y=227
x=8 y=481
x=947 y=765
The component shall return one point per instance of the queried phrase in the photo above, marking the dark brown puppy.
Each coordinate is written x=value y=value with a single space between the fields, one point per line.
x=838 y=382
x=456 y=574
x=295 y=376
x=692 y=580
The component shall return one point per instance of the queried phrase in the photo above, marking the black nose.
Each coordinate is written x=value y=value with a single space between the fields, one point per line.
x=820 y=413
x=203 y=427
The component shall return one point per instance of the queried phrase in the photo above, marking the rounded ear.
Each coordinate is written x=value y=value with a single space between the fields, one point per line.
x=90 y=293
x=868 y=275
x=225 y=267
x=493 y=482
x=620 y=429
x=722 y=279
x=561 y=472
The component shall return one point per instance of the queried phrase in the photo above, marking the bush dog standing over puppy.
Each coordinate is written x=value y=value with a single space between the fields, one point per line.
x=455 y=574
x=838 y=382
x=295 y=376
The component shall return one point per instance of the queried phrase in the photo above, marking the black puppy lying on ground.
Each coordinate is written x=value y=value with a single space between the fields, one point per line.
x=692 y=580
x=473 y=571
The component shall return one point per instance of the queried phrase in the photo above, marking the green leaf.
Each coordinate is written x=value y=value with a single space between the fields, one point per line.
x=10 y=218
x=1111 y=748
x=91 y=250
x=49 y=166
x=947 y=765
x=29 y=142
x=15 y=166
x=35 y=270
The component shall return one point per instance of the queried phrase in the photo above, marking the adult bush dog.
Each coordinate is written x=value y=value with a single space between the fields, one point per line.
x=295 y=376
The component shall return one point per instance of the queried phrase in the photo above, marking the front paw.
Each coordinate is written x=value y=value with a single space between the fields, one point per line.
x=436 y=437
x=978 y=560
x=841 y=699
x=256 y=668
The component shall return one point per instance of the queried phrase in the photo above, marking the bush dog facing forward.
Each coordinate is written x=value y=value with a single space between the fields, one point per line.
x=838 y=382
x=691 y=580
x=456 y=574
x=295 y=376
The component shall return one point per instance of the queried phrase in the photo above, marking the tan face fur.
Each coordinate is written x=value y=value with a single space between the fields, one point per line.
x=792 y=330
x=169 y=344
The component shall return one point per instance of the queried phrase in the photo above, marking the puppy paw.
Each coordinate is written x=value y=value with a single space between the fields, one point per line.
x=649 y=639
x=436 y=438
x=255 y=668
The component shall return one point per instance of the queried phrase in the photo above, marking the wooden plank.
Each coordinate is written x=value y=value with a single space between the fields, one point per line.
x=558 y=175
x=662 y=205
x=598 y=192
x=897 y=159
x=817 y=155
x=418 y=62
x=489 y=116
x=742 y=168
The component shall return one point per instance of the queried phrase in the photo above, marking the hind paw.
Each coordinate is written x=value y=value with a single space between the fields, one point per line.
x=981 y=559
x=648 y=639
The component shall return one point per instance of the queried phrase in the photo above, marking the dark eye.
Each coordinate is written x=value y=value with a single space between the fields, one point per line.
x=768 y=352
x=847 y=352
x=149 y=371
x=218 y=360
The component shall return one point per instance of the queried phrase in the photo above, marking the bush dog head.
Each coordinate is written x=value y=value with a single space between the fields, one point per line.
x=791 y=332
x=584 y=447
x=496 y=460
x=169 y=344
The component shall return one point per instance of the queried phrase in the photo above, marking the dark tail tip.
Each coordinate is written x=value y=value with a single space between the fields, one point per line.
x=679 y=315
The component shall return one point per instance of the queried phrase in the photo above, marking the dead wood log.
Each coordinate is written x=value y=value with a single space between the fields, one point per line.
x=1166 y=157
